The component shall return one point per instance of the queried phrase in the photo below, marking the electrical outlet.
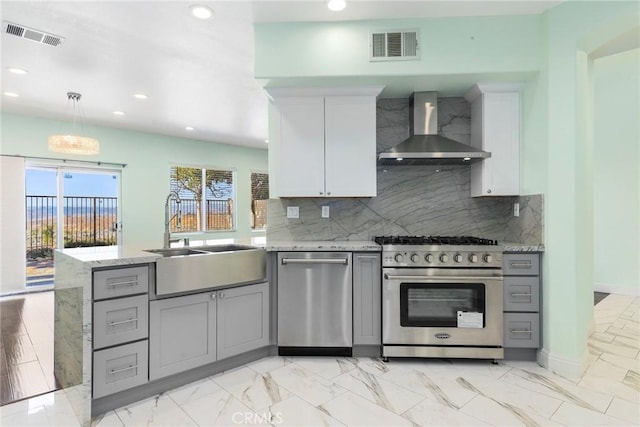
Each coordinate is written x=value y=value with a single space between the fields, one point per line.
x=325 y=212
x=516 y=209
x=293 y=212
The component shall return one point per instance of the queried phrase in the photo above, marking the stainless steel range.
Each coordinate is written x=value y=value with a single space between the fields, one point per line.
x=441 y=297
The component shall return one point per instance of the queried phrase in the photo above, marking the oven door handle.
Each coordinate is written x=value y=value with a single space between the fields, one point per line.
x=388 y=276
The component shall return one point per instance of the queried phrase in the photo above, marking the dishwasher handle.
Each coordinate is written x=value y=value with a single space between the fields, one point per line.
x=344 y=261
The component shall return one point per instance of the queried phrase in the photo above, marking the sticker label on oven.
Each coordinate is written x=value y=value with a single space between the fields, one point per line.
x=470 y=319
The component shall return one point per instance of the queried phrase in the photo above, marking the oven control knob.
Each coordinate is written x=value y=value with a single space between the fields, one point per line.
x=473 y=258
x=415 y=258
x=457 y=258
x=444 y=258
x=487 y=258
x=398 y=258
x=428 y=258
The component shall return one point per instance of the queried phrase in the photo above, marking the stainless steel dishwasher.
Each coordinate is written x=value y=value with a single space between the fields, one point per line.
x=315 y=303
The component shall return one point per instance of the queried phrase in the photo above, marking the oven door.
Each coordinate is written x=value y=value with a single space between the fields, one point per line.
x=435 y=306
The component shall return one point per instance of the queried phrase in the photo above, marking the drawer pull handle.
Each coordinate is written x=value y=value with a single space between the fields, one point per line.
x=520 y=295
x=123 y=322
x=117 y=371
x=128 y=283
x=523 y=264
x=521 y=331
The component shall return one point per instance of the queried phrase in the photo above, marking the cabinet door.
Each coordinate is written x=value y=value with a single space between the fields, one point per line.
x=243 y=319
x=495 y=127
x=182 y=334
x=350 y=146
x=367 y=294
x=299 y=156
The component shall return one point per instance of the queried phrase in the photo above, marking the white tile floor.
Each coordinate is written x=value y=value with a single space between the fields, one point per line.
x=366 y=392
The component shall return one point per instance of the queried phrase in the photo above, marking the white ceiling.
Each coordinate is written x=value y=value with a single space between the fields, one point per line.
x=195 y=73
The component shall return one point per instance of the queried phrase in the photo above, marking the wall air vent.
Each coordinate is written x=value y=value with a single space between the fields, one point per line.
x=32 y=34
x=401 y=45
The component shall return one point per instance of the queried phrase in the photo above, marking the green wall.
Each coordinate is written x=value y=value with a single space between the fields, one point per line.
x=145 y=179
x=447 y=45
x=617 y=173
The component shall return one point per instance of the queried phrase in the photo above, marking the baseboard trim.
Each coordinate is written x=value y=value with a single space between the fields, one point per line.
x=617 y=289
x=568 y=368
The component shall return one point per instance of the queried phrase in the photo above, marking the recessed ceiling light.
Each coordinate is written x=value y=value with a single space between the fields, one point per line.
x=119 y=113
x=140 y=96
x=189 y=128
x=201 y=12
x=11 y=94
x=16 y=70
x=336 y=5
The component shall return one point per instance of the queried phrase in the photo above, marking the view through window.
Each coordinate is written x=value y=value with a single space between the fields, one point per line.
x=259 y=197
x=207 y=207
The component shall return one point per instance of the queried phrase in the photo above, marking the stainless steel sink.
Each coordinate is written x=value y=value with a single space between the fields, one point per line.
x=224 y=248
x=206 y=267
x=174 y=252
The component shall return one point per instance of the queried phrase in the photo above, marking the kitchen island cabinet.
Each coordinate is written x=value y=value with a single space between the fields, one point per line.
x=182 y=334
x=103 y=343
x=323 y=143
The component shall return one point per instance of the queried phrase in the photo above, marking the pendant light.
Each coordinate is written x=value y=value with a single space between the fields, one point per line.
x=74 y=144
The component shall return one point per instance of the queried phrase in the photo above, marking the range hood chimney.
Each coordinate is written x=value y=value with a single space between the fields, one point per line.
x=425 y=146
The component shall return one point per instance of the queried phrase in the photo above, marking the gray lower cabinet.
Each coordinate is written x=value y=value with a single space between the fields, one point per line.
x=243 y=319
x=521 y=303
x=194 y=330
x=367 y=294
x=182 y=333
x=119 y=368
x=120 y=328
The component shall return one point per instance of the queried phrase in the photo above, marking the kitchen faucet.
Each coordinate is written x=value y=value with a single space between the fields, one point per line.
x=168 y=218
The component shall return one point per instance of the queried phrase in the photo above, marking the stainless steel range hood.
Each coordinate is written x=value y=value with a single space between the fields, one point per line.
x=425 y=146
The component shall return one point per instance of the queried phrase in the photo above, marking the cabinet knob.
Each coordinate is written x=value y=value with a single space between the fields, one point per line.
x=213 y=296
x=221 y=294
x=489 y=191
x=328 y=193
x=321 y=193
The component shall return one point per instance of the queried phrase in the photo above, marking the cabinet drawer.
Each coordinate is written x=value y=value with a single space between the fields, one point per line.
x=521 y=264
x=120 y=282
x=119 y=368
x=120 y=320
x=521 y=293
x=521 y=330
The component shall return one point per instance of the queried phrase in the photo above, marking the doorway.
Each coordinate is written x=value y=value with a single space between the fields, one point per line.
x=67 y=208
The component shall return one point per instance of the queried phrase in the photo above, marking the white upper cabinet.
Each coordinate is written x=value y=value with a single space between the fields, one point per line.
x=495 y=127
x=322 y=143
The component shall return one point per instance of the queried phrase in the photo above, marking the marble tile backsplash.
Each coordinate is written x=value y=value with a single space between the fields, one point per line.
x=412 y=200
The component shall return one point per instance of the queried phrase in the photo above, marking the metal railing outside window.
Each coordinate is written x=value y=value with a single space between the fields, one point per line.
x=88 y=221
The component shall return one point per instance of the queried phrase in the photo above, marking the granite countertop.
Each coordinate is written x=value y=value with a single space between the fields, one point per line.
x=521 y=247
x=324 y=245
x=113 y=255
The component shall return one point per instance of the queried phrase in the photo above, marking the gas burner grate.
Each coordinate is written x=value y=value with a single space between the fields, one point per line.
x=434 y=240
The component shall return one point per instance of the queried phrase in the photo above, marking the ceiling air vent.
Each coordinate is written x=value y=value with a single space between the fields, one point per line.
x=31 y=34
x=394 y=45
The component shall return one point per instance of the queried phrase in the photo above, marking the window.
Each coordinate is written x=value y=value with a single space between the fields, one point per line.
x=216 y=213
x=259 y=197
